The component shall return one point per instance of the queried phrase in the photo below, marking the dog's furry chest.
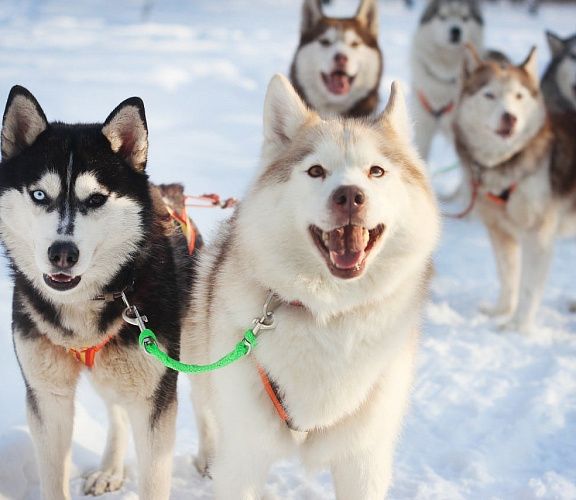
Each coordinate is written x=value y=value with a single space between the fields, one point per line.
x=325 y=373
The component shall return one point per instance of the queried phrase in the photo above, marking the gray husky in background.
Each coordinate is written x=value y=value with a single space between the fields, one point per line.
x=84 y=231
x=338 y=64
x=436 y=61
x=559 y=80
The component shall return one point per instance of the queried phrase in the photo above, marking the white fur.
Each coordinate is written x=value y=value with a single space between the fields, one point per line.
x=344 y=361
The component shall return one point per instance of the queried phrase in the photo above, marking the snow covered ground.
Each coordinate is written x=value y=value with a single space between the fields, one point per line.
x=493 y=414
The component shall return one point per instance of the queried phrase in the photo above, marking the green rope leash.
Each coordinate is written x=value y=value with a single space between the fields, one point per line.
x=147 y=341
x=445 y=170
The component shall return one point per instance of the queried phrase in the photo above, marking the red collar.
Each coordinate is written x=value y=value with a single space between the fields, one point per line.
x=436 y=113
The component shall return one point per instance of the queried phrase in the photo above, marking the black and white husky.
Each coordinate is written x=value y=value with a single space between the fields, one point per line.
x=559 y=80
x=338 y=64
x=84 y=229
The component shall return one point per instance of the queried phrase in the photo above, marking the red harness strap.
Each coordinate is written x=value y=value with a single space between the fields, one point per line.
x=86 y=354
x=436 y=113
x=186 y=226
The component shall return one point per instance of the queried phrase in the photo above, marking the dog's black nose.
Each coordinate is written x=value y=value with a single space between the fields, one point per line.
x=455 y=35
x=348 y=199
x=509 y=119
x=63 y=254
x=340 y=59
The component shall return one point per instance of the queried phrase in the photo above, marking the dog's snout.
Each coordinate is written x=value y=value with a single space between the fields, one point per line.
x=508 y=119
x=63 y=254
x=455 y=34
x=348 y=199
x=340 y=59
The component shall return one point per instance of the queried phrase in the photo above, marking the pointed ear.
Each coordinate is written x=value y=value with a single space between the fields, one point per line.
x=396 y=112
x=311 y=14
x=471 y=60
x=530 y=65
x=284 y=111
x=555 y=43
x=127 y=132
x=368 y=16
x=23 y=122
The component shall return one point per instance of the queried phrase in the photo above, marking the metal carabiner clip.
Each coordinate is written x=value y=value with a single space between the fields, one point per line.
x=132 y=316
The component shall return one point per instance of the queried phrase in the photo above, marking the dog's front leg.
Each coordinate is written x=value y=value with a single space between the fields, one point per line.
x=110 y=475
x=154 y=429
x=537 y=253
x=51 y=376
x=507 y=254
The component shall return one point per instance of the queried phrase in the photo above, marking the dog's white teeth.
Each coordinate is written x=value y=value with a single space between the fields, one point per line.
x=325 y=237
x=365 y=236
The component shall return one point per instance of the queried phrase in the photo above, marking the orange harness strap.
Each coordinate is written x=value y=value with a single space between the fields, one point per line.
x=272 y=392
x=503 y=197
x=436 y=113
x=86 y=354
x=186 y=226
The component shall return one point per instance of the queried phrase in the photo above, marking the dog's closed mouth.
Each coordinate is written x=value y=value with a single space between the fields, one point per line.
x=346 y=248
x=338 y=82
x=61 y=282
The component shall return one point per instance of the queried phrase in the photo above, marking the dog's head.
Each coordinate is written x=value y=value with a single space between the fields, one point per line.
x=501 y=107
x=73 y=198
x=339 y=204
x=452 y=23
x=564 y=61
x=338 y=61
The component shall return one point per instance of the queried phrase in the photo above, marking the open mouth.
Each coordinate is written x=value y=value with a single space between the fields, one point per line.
x=61 y=282
x=338 y=82
x=346 y=248
x=505 y=132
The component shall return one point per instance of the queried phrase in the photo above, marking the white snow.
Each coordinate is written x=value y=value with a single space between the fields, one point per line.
x=493 y=414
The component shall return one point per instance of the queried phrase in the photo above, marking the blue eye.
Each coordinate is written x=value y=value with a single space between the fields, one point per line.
x=39 y=196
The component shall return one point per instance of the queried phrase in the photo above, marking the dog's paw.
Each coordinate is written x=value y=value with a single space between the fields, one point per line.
x=99 y=482
x=201 y=464
x=514 y=325
x=493 y=310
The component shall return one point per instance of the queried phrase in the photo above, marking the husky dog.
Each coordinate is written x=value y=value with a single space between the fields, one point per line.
x=522 y=165
x=338 y=64
x=559 y=80
x=335 y=238
x=84 y=230
x=436 y=60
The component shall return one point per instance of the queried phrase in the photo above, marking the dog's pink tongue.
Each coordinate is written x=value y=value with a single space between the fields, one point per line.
x=346 y=246
x=338 y=83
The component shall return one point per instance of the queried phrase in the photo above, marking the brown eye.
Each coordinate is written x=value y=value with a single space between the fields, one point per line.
x=354 y=44
x=376 y=171
x=519 y=96
x=324 y=42
x=316 y=171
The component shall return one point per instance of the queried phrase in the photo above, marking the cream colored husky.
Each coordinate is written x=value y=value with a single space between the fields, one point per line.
x=334 y=240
